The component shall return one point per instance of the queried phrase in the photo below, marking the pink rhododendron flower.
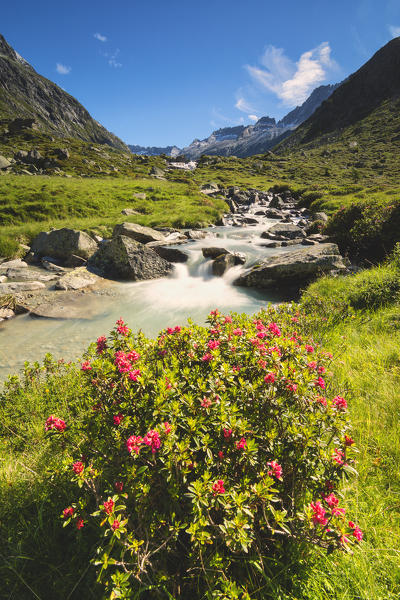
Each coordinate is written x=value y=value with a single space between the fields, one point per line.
x=227 y=433
x=275 y=350
x=338 y=512
x=241 y=443
x=348 y=440
x=167 y=427
x=133 y=444
x=115 y=524
x=320 y=383
x=237 y=331
x=78 y=467
x=274 y=329
x=218 y=487
x=119 y=486
x=269 y=378
x=152 y=439
x=172 y=330
x=53 y=422
x=132 y=356
x=338 y=456
x=312 y=365
x=101 y=344
x=321 y=400
x=118 y=419
x=213 y=344
x=321 y=370
x=309 y=349
x=108 y=506
x=68 y=512
x=339 y=403
x=221 y=455
x=292 y=387
x=331 y=500
x=235 y=368
x=122 y=362
x=319 y=513
x=261 y=335
x=79 y=523
x=86 y=366
x=276 y=469
x=207 y=357
x=206 y=402
x=227 y=319
x=358 y=534
x=133 y=375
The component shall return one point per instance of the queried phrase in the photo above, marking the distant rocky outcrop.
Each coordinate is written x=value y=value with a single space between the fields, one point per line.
x=173 y=151
x=27 y=100
x=245 y=141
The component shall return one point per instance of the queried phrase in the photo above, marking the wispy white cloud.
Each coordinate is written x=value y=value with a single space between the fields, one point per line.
x=101 y=38
x=292 y=82
x=253 y=117
x=243 y=105
x=220 y=119
x=394 y=30
x=112 y=59
x=63 y=69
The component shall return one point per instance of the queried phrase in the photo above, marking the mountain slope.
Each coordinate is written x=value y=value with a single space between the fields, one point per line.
x=359 y=95
x=244 y=141
x=26 y=94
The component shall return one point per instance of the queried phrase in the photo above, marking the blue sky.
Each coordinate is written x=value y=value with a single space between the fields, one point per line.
x=163 y=73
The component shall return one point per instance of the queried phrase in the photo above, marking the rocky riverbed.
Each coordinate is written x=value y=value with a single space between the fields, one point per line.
x=263 y=250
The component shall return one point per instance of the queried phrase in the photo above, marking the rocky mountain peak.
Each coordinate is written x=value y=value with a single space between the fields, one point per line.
x=24 y=94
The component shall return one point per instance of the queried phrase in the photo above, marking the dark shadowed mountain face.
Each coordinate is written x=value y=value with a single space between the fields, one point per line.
x=358 y=96
x=26 y=94
x=258 y=138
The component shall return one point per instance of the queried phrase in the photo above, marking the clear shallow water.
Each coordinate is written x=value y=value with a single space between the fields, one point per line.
x=152 y=305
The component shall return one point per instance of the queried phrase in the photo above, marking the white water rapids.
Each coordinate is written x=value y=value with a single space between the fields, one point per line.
x=151 y=305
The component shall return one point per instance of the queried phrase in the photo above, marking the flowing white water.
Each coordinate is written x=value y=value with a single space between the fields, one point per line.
x=152 y=305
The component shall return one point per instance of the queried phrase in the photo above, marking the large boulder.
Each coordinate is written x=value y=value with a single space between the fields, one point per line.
x=62 y=243
x=77 y=279
x=139 y=233
x=293 y=268
x=284 y=230
x=4 y=162
x=222 y=263
x=123 y=258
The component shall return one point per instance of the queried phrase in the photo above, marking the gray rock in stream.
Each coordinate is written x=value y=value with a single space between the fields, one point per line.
x=293 y=268
x=29 y=275
x=21 y=286
x=139 y=233
x=123 y=258
x=222 y=264
x=76 y=280
x=284 y=230
x=17 y=263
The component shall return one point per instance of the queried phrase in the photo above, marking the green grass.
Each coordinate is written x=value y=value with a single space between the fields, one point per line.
x=366 y=346
x=29 y=205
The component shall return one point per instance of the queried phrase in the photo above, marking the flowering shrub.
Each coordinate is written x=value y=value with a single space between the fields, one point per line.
x=204 y=453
